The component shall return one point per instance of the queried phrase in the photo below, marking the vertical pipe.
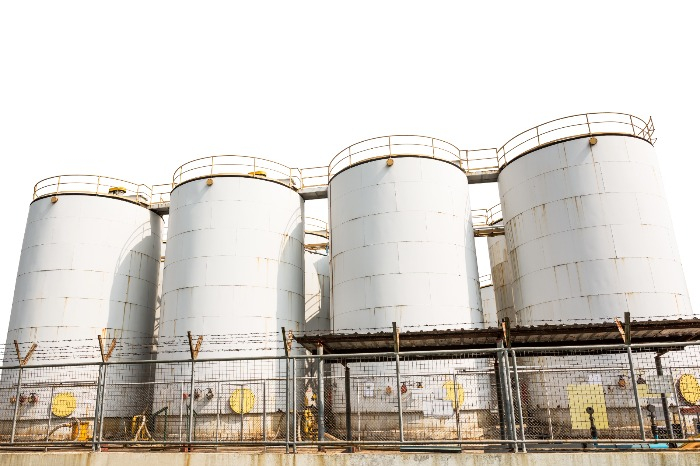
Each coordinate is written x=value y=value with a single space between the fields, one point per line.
x=398 y=396
x=179 y=429
x=664 y=400
x=102 y=403
x=640 y=419
x=348 y=407
x=99 y=408
x=264 y=419
x=518 y=398
x=321 y=402
x=294 y=405
x=242 y=400
x=190 y=427
x=456 y=405
x=499 y=397
x=96 y=418
x=48 y=425
x=218 y=410
x=17 y=393
x=509 y=399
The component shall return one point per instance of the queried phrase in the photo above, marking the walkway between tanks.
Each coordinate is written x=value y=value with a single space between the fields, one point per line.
x=355 y=459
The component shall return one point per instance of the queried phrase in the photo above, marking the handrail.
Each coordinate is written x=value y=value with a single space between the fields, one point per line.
x=242 y=165
x=316 y=226
x=487 y=217
x=93 y=184
x=395 y=145
x=573 y=126
x=472 y=161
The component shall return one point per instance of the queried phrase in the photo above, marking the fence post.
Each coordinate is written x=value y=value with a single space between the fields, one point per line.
x=17 y=395
x=22 y=362
x=398 y=379
x=518 y=398
x=294 y=405
x=286 y=388
x=194 y=352
x=320 y=400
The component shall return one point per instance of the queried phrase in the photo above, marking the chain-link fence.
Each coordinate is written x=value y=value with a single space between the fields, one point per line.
x=501 y=398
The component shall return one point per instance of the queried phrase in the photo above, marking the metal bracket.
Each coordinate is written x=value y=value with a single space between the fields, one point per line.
x=194 y=350
x=505 y=325
x=23 y=361
x=395 y=331
x=286 y=341
x=108 y=354
x=625 y=331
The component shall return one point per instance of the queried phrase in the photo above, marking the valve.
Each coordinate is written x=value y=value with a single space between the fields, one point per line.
x=209 y=394
x=197 y=393
x=33 y=397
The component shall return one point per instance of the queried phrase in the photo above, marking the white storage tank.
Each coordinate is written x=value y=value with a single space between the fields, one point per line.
x=402 y=242
x=589 y=237
x=88 y=267
x=589 y=233
x=234 y=274
x=502 y=277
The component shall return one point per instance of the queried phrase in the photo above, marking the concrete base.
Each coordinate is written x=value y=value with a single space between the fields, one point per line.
x=667 y=458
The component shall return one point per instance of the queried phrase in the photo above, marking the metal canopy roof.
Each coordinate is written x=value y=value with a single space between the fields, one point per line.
x=606 y=333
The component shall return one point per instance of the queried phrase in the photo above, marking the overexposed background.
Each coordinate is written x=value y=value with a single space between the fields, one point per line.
x=133 y=89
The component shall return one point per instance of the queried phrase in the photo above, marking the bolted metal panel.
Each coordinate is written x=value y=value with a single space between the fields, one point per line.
x=502 y=277
x=589 y=233
x=234 y=265
x=317 y=290
x=402 y=246
x=488 y=301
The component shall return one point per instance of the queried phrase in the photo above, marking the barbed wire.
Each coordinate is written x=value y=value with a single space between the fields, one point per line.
x=146 y=347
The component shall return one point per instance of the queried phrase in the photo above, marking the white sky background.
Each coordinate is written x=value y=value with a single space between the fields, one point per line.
x=134 y=89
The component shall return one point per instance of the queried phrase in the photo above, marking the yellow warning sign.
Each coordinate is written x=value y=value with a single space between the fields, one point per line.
x=63 y=404
x=454 y=392
x=585 y=396
x=689 y=387
x=242 y=401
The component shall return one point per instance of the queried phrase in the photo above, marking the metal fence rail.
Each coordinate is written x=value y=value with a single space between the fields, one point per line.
x=507 y=398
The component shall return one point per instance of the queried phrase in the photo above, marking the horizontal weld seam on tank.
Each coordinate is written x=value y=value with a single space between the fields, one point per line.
x=570 y=138
x=233 y=175
x=395 y=156
x=145 y=205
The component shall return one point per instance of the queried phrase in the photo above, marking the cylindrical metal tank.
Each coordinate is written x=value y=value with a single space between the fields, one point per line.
x=589 y=233
x=502 y=277
x=402 y=250
x=402 y=245
x=234 y=274
x=589 y=237
x=88 y=267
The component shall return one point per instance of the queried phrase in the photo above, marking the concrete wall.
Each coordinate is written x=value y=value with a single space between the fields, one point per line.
x=675 y=458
